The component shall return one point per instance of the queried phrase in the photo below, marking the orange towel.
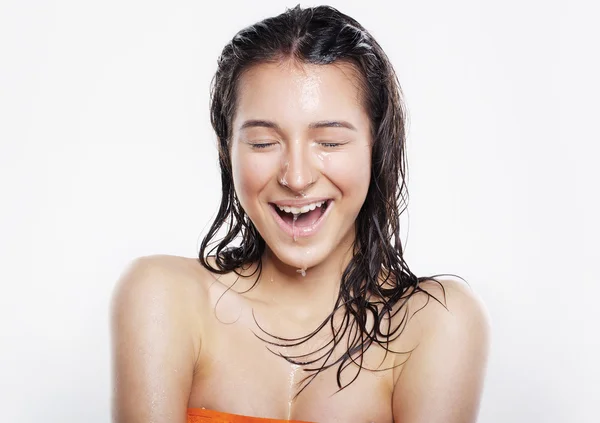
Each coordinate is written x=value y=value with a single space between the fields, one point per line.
x=202 y=415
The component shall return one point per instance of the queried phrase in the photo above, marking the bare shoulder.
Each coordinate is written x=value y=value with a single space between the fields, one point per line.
x=450 y=305
x=159 y=280
x=450 y=357
x=169 y=275
x=163 y=285
x=447 y=301
x=447 y=309
x=439 y=306
x=156 y=337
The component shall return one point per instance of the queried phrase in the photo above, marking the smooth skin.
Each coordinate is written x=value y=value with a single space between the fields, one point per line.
x=183 y=337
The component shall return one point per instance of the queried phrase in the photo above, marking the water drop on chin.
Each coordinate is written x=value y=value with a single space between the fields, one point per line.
x=302 y=271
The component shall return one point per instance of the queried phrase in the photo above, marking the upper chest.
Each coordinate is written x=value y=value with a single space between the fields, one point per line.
x=238 y=372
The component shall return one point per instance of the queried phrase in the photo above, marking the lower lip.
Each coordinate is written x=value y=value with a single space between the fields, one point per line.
x=304 y=231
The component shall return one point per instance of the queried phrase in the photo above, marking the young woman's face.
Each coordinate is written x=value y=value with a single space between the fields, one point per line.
x=301 y=158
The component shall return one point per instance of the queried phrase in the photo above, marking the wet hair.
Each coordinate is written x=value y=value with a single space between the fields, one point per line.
x=377 y=282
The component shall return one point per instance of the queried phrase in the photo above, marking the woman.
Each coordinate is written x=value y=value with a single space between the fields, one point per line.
x=304 y=309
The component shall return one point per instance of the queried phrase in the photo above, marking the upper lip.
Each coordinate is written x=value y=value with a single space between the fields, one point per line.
x=299 y=202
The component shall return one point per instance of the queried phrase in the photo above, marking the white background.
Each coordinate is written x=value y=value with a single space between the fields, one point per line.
x=107 y=154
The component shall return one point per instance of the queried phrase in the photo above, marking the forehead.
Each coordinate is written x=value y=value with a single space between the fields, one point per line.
x=295 y=93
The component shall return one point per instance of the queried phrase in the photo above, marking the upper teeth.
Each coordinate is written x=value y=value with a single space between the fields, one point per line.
x=303 y=209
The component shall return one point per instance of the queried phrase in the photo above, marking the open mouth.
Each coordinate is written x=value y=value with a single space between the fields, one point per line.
x=301 y=221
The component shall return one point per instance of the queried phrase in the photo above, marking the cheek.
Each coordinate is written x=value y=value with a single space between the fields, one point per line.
x=251 y=173
x=351 y=173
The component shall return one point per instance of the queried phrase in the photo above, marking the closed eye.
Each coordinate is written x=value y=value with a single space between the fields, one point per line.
x=331 y=144
x=262 y=145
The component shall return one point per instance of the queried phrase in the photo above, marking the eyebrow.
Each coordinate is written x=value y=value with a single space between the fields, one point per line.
x=253 y=123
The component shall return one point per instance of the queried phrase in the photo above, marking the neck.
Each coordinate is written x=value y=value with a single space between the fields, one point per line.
x=310 y=295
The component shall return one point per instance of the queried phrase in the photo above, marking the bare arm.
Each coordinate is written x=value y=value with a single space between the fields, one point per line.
x=154 y=345
x=442 y=381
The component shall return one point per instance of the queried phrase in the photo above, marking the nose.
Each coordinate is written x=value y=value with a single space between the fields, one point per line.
x=298 y=172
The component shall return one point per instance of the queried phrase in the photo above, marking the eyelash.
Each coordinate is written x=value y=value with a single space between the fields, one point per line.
x=331 y=144
x=260 y=146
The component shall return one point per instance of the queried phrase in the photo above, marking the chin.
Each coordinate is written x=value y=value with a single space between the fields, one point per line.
x=301 y=257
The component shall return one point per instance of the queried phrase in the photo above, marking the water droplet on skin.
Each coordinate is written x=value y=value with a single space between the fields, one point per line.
x=293 y=371
x=283 y=180
x=302 y=271
x=294 y=227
